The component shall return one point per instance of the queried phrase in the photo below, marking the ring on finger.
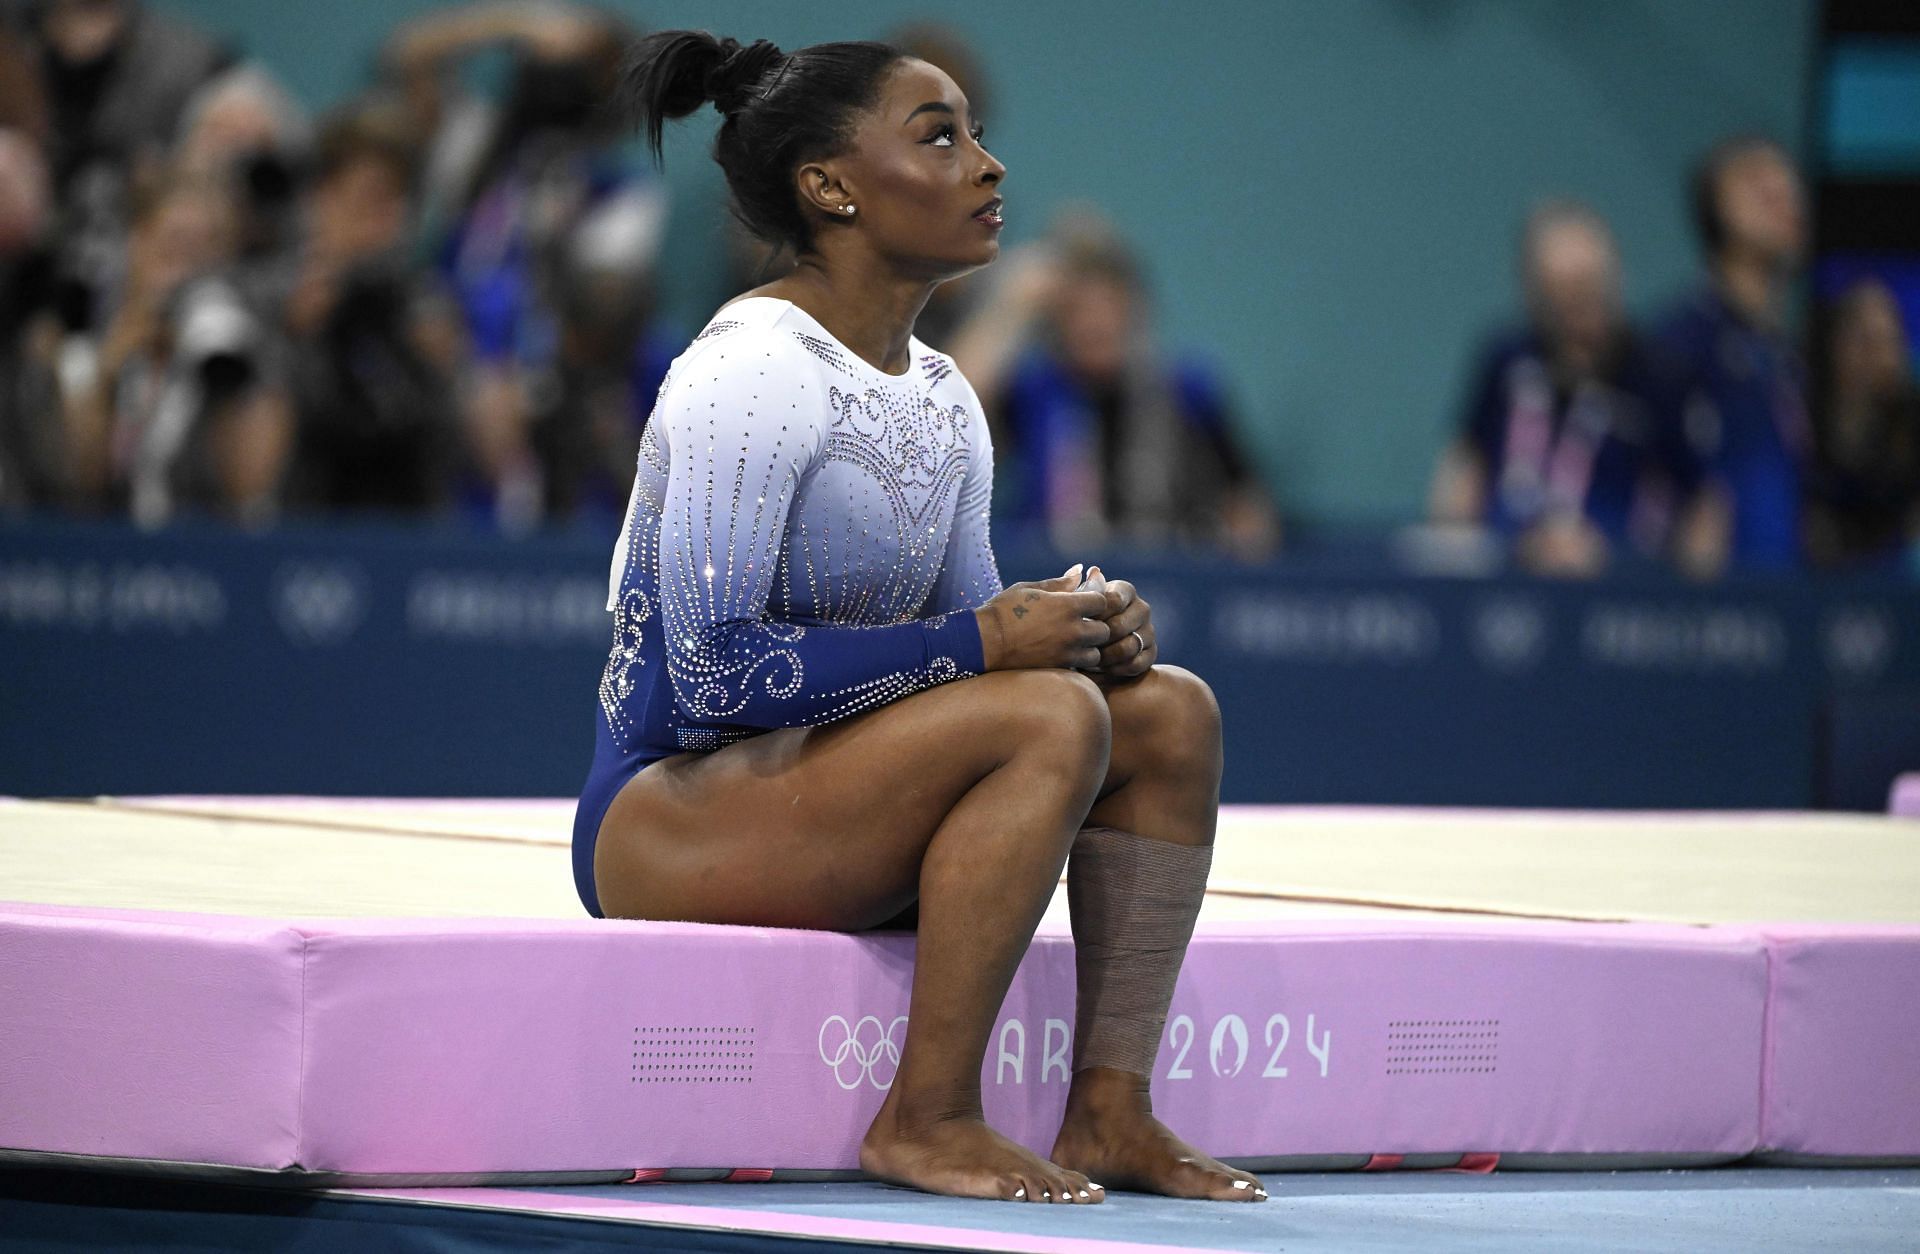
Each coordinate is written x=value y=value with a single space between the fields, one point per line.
x=1142 y=639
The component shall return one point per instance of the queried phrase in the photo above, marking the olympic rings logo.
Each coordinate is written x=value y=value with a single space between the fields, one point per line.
x=868 y=1050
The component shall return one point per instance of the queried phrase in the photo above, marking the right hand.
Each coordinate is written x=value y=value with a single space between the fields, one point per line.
x=1044 y=623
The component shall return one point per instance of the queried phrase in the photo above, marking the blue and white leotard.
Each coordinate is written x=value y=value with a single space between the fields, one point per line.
x=805 y=537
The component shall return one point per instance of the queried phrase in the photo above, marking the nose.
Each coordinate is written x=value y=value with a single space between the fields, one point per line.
x=991 y=171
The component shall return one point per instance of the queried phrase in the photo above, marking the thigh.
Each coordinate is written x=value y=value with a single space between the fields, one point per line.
x=821 y=827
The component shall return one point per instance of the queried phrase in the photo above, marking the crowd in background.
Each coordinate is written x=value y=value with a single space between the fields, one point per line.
x=436 y=301
x=1701 y=439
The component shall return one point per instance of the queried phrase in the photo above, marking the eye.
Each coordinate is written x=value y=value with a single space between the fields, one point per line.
x=942 y=136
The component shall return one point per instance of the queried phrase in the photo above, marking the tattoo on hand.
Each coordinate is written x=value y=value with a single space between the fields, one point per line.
x=1019 y=611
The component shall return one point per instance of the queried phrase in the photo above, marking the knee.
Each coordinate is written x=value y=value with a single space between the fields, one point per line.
x=1175 y=714
x=1059 y=712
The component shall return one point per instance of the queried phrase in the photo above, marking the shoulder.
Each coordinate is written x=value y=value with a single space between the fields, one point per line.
x=746 y=344
x=1501 y=347
x=746 y=363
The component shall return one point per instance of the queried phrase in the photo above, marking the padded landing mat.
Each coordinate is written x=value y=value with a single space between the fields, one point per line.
x=340 y=857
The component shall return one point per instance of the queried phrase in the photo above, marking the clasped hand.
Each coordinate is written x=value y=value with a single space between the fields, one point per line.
x=1097 y=625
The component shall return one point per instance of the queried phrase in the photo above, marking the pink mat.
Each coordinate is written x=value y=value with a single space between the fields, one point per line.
x=472 y=1050
x=1904 y=801
x=1843 y=1043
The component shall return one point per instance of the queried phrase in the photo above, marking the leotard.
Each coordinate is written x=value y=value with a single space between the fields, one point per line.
x=805 y=539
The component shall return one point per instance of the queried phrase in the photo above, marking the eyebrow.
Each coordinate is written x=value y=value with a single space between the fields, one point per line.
x=931 y=105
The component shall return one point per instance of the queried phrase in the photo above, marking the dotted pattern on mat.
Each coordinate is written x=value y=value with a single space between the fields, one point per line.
x=692 y=1054
x=1443 y=1046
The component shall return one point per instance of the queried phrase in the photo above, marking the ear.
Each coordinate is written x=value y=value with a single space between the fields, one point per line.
x=821 y=188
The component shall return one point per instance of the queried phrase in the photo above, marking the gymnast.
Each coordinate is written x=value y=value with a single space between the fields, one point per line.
x=822 y=710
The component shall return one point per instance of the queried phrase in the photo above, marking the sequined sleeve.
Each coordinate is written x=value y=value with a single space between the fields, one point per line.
x=738 y=450
x=969 y=577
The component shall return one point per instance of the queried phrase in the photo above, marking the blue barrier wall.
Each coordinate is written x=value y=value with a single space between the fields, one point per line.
x=414 y=662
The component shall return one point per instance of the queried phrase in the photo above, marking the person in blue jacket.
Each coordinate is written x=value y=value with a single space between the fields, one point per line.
x=1746 y=413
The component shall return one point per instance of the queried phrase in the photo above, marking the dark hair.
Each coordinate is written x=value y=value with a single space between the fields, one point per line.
x=371 y=129
x=1704 y=186
x=781 y=109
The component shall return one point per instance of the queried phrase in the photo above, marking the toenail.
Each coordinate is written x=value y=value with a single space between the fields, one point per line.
x=1260 y=1193
x=1083 y=1193
x=1020 y=1192
x=1241 y=1184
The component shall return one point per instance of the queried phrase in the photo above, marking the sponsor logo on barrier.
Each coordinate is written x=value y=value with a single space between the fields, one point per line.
x=1329 y=627
x=123 y=597
x=863 y=1052
x=1715 y=640
x=867 y=1051
x=319 y=603
x=532 y=609
x=1858 y=642
x=1510 y=634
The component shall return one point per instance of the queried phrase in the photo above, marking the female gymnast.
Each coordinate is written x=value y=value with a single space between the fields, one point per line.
x=821 y=707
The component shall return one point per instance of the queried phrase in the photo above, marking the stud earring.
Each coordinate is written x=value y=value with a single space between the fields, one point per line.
x=848 y=208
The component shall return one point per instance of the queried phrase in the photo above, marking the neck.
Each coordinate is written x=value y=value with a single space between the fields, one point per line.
x=1750 y=285
x=868 y=307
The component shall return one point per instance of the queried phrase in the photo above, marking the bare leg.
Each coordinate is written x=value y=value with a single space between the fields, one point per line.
x=1163 y=783
x=966 y=796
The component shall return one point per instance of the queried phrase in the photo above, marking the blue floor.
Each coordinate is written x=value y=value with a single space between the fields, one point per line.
x=1730 y=1209
x=1698 y=1212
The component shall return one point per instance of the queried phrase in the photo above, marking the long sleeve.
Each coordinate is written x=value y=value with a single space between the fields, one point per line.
x=969 y=577
x=739 y=448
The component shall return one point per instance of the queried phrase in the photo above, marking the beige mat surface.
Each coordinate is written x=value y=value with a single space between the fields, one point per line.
x=314 y=856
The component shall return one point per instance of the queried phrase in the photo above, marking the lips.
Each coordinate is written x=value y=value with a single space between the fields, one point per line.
x=989 y=212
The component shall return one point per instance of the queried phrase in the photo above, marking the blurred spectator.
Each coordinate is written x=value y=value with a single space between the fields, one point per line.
x=243 y=127
x=1097 y=433
x=551 y=238
x=23 y=105
x=1863 y=502
x=175 y=409
x=115 y=76
x=375 y=353
x=1568 y=445
x=1746 y=416
x=33 y=459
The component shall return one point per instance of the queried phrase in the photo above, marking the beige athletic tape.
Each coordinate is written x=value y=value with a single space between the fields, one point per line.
x=1133 y=901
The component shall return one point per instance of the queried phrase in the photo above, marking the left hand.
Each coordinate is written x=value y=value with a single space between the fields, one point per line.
x=1128 y=656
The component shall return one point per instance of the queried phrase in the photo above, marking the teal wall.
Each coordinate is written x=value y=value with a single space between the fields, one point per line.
x=1326 y=190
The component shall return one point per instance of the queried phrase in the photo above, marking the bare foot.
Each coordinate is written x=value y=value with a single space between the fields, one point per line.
x=1109 y=1132
x=959 y=1155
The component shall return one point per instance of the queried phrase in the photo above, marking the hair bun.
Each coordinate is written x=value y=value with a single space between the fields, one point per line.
x=729 y=84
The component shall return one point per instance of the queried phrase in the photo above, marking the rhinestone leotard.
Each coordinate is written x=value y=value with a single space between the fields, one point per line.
x=805 y=536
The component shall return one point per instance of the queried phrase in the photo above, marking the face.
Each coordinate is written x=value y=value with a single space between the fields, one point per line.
x=361 y=209
x=1761 y=204
x=1870 y=354
x=80 y=32
x=1095 y=317
x=1574 y=288
x=185 y=234
x=235 y=123
x=925 y=192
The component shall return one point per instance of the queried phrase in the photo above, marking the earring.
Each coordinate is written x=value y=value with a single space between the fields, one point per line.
x=847 y=208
